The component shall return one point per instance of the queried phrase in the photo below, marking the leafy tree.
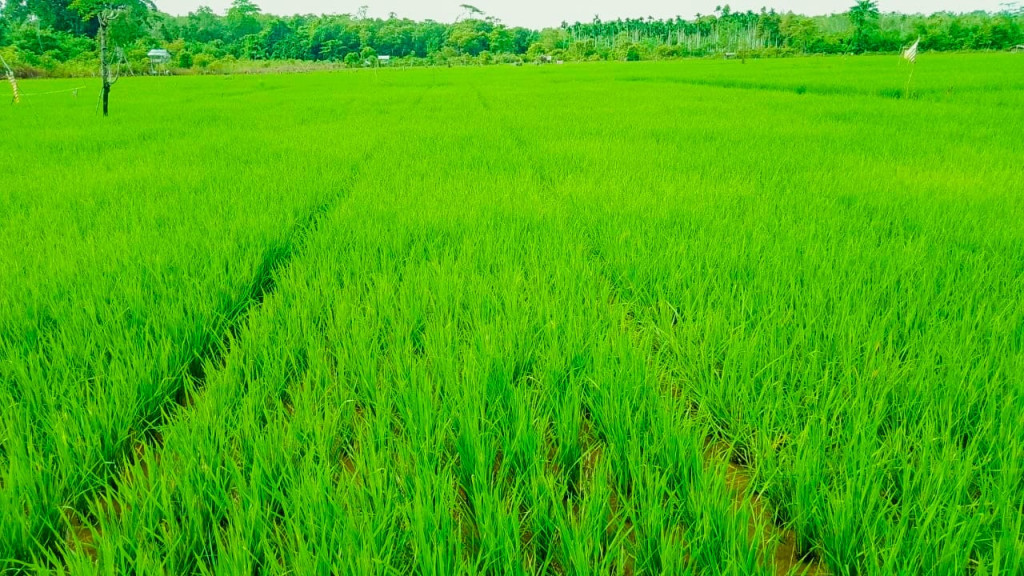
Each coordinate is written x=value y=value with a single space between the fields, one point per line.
x=769 y=25
x=470 y=36
x=55 y=14
x=535 y=51
x=428 y=38
x=501 y=40
x=800 y=32
x=13 y=11
x=184 y=59
x=864 y=17
x=252 y=47
x=282 y=41
x=5 y=30
x=521 y=40
x=368 y=54
x=553 y=39
x=203 y=26
x=242 y=19
x=105 y=13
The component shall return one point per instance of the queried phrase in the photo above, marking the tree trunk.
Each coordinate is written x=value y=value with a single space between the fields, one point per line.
x=104 y=65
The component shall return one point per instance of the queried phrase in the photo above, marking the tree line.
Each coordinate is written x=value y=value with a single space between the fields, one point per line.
x=60 y=37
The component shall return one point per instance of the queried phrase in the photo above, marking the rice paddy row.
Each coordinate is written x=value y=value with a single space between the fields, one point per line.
x=517 y=321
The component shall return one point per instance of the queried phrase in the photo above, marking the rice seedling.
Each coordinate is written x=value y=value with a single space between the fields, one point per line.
x=657 y=318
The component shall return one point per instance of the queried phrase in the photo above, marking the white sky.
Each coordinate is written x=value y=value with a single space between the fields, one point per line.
x=543 y=13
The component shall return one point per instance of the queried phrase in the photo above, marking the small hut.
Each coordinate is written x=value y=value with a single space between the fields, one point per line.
x=158 y=59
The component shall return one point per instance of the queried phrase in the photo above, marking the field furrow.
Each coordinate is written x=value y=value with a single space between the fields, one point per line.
x=428 y=395
x=147 y=340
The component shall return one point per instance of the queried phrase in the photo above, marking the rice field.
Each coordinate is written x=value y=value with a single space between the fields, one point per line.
x=697 y=317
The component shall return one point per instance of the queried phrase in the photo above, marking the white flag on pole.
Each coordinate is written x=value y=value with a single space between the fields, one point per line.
x=911 y=53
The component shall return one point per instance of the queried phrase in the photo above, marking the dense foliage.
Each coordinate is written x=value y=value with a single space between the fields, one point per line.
x=49 y=37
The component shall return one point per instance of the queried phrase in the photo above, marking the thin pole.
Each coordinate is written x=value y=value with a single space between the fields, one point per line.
x=10 y=78
x=913 y=65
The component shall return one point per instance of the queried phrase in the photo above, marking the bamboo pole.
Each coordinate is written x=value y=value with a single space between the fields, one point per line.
x=910 y=78
x=10 y=78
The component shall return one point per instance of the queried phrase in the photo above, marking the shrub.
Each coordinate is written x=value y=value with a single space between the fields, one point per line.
x=184 y=59
x=203 y=61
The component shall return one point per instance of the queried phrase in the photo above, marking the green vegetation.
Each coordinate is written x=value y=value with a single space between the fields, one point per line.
x=635 y=318
x=48 y=38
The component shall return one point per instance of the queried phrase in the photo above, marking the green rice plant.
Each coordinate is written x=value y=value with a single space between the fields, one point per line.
x=502 y=320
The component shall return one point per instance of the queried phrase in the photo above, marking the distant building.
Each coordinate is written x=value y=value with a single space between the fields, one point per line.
x=383 y=60
x=1018 y=48
x=158 y=59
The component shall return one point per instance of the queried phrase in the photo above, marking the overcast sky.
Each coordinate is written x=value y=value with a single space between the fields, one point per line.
x=542 y=13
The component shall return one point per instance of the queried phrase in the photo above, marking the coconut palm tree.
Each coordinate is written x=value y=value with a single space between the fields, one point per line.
x=864 y=16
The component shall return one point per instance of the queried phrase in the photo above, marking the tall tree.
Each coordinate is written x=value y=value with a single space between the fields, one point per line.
x=105 y=12
x=470 y=11
x=242 y=18
x=54 y=14
x=864 y=17
x=204 y=26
